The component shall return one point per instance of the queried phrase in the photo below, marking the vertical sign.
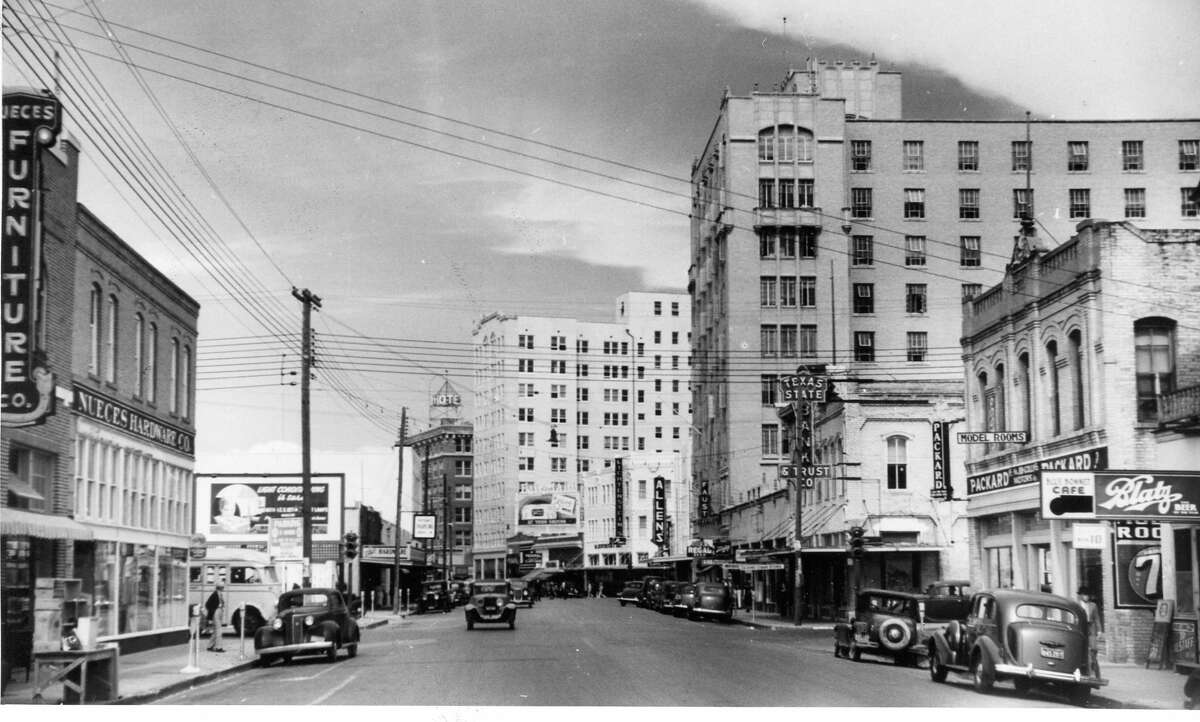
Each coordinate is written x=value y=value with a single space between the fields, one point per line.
x=31 y=122
x=805 y=390
x=619 y=496
x=942 y=487
x=705 y=500
x=659 y=535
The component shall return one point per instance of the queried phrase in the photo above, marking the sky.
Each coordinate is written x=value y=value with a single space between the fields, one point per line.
x=418 y=165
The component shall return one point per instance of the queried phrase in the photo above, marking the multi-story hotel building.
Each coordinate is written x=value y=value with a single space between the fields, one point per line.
x=830 y=230
x=558 y=402
x=443 y=474
x=1093 y=348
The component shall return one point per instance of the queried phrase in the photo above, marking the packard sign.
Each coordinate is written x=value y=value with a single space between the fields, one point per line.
x=1162 y=495
x=1027 y=473
x=31 y=122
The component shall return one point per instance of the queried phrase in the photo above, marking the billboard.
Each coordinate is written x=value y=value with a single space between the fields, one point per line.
x=234 y=508
x=548 y=513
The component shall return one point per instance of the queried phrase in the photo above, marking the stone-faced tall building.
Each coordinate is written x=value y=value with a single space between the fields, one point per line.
x=1093 y=348
x=830 y=229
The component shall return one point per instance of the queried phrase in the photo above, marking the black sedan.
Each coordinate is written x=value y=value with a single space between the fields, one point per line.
x=308 y=621
x=491 y=602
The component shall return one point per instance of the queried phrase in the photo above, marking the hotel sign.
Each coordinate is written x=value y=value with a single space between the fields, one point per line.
x=31 y=121
x=1027 y=473
x=110 y=412
x=619 y=497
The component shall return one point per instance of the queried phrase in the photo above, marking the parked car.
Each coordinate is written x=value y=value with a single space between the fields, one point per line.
x=664 y=598
x=630 y=593
x=650 y=586
x=459 y=591
x=892 y=624
x=959 y=588
x=521 y=593
x=713 y=599
x=435 y=596
x=685 y=598
x=1032 y=638
x=491 y=602
x=307 y=621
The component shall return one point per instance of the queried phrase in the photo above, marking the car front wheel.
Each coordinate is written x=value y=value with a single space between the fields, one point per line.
x=936 y=671
x=983 y=673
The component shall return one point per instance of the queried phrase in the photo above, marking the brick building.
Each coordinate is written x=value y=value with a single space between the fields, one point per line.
x=1093 y=348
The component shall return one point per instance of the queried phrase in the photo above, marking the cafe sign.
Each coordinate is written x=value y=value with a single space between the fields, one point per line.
x=31 y=122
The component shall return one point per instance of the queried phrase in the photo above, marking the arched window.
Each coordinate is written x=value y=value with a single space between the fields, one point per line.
x=110 y=342
x=173 y=371
x=185 y=385
x=897 y=462
x=1075 y=344
x=1026 y=395
x=785 y=143
x=94 y=322
x=152 y=364
x=139 y=355
x=1154 y=343
x=1053 y=390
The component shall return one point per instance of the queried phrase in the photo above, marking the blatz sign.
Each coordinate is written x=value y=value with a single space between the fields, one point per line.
x=1161 y=495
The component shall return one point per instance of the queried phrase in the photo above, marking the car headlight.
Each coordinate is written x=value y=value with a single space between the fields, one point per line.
x=308 y=621
x=277 y=624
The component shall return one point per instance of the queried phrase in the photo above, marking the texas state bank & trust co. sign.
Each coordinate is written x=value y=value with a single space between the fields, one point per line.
x=1022 y=474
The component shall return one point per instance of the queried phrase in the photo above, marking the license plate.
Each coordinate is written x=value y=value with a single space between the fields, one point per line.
x=490 y=609
x=1050 y=653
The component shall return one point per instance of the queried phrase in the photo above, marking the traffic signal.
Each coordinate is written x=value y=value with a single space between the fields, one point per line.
x=351 y=545
x=857 y=542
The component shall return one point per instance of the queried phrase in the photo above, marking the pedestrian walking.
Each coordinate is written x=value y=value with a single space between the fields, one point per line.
x=215 y=606
x=1095 y=627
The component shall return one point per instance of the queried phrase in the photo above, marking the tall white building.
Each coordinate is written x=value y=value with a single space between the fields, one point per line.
x=558 y=402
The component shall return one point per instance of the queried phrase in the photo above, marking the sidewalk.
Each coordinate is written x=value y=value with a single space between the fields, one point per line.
x=1130 y=686
x=149 y=675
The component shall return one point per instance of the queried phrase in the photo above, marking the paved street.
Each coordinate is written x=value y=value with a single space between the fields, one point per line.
x=593 y=652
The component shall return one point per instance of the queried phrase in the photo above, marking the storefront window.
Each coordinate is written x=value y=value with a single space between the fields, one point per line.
x=172 y=587
x=104 y=599
x=1000 y=572
x=1185 y=570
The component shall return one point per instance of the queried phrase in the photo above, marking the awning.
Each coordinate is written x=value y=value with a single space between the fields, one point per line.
x=17 y=522
x=537 y=574
x=24 y=490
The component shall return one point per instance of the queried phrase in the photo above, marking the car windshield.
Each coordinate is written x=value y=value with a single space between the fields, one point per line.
x=517 y=585
x=484 y=588
x=634 y=585
x=1050 y=614
x=303 y=600
x=902 y=606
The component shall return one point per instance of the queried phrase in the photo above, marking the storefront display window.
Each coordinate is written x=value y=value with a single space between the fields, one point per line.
x=172 y=587
x=1000 y=571
x=104 y=600
x=1185 y=569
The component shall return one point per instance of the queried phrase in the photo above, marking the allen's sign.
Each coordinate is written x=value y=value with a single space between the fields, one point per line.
x=31 y=122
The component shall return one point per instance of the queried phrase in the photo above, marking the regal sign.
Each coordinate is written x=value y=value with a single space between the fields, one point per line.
x=31 y=121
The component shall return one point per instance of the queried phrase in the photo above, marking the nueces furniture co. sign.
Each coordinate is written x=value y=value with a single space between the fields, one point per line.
x=31 y=122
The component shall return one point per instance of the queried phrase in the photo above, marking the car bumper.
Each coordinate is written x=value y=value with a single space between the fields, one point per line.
x=712 y=612
x=503 y=616
x=631 y=600
x=298 y=648
x=1029 y=672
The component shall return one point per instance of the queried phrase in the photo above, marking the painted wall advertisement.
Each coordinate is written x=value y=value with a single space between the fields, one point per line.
x=1137 y=564
x=550 y=512
x=240 y=507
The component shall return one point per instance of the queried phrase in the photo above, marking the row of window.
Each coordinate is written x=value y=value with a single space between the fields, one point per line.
x=104 y=355
x=1078 y=155
x=610 y=371
x=127 y=487
x=788 y=291
x=788 y=341
x=970 y=251
x=785 y=193
x=787 y=242
x=1079 y=203
x=916 y=298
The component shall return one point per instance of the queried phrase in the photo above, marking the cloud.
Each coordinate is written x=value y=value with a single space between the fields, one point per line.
x=1095 y=59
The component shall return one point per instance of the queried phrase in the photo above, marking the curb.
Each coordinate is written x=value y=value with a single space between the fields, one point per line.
x=190 y=683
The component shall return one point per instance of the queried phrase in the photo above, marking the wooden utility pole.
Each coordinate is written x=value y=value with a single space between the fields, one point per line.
x=399 y=510
x=309 y=300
